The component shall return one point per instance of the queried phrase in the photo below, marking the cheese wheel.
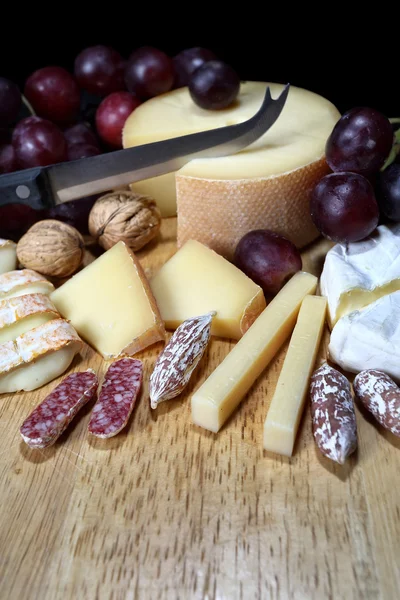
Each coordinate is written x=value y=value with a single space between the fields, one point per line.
x=266 y=185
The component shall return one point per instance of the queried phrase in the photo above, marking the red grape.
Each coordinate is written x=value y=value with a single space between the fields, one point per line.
x=112 y=114
x=149 y=72
x=344 y=207
x=8 y=160
x=10 y=102
x=81 y=134
x=38 y=142
x=215 y=85
x=360 y=142
x=187 y=61
x=53 y=94
x=267 y=258
x=75 y=213
x=389 y=197
x=77 y=151
x=100 y=70
x=16 y=219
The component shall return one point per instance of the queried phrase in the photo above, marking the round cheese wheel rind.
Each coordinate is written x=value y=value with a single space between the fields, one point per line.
x=251 y=189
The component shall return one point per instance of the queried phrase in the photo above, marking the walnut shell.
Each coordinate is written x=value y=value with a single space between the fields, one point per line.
x=124 y=215
x=52 y=248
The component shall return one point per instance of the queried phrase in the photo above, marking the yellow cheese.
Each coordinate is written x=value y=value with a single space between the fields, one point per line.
x=196 y=281
x=282 y=422
x=264 y=186
x=221 y=393
x=110 y=304
x=8 y=255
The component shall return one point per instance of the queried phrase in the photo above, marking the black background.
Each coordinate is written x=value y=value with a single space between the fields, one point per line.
x=351 y=61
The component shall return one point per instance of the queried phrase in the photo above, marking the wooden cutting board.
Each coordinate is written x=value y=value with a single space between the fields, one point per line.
x=168 y=510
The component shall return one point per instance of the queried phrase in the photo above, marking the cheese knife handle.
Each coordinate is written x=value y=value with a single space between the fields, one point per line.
x=30 y=186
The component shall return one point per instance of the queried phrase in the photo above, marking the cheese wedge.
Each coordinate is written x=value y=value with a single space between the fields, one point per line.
x=22 y=313
x=19 y=283
x=197 y=280
x=111 y=305
x=357 y=274
x=38 y=356
x=264 y=186
x=8 y=256
x=286 y=408
x=221 y=393
x=370 y=338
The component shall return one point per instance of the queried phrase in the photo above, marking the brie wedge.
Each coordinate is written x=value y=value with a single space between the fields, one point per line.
x=38 y=356
x=370 y=338
x=359 y=273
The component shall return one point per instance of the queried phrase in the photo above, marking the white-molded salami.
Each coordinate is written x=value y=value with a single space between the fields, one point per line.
x=47 y=422
x=333 y=416
x=381 y=396
x=117 y=397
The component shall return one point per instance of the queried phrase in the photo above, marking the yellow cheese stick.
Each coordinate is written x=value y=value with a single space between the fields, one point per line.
x=282 y=422
x=221 y=393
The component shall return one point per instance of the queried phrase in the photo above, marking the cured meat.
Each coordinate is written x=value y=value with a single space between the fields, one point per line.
x=333 y=416
x=47 y=422
x=117 y=397
x=381 y=396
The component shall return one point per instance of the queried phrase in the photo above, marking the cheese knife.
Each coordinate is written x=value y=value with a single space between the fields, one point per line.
x=43 y=187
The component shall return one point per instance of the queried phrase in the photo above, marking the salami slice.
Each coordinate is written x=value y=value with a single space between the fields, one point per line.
x=117 y=397
x=47 y=422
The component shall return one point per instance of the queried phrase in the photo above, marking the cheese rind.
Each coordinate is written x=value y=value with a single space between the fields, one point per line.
x=111 y=305
x=38 y=356
x=266 y=185
x=22 y=313
x=222 y=392
x=370 y=338
x=359 y=273
x=8 y=256
x=196 y=281
x=25 y=281
x=286 y=408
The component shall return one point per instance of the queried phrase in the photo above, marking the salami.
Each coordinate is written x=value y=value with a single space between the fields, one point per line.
x=117 y=397
x=333 y=416
x=47 y=422
x=381 y=396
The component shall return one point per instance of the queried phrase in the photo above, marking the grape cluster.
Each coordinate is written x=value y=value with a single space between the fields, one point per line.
x=74 y=116
x=346 y=205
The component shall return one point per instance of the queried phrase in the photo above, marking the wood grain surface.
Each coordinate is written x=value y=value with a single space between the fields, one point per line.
x=167 y=510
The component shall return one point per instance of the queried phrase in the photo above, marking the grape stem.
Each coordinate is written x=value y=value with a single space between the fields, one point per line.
x=396 y=145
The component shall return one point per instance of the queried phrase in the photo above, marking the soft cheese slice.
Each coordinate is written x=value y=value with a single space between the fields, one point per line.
x=22 y=313
x=221 y=393
x=370 y=338
x=8 y=256
x=264 y=186
x=26 y=281
x=284 y=414
x=38 y=356
x=356 y=274
x=111 y=305
x=196 y=280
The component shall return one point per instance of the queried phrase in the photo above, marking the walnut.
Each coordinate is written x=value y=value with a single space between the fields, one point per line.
x=52 y=248
x=124 y=215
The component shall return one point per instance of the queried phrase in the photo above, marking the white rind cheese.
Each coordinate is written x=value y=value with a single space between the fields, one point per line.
x=38 y=356
x=26 y=281
x=22 y=313
x=370 y=338
x=266 y=185
x=359 y=273
x=8 y=256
